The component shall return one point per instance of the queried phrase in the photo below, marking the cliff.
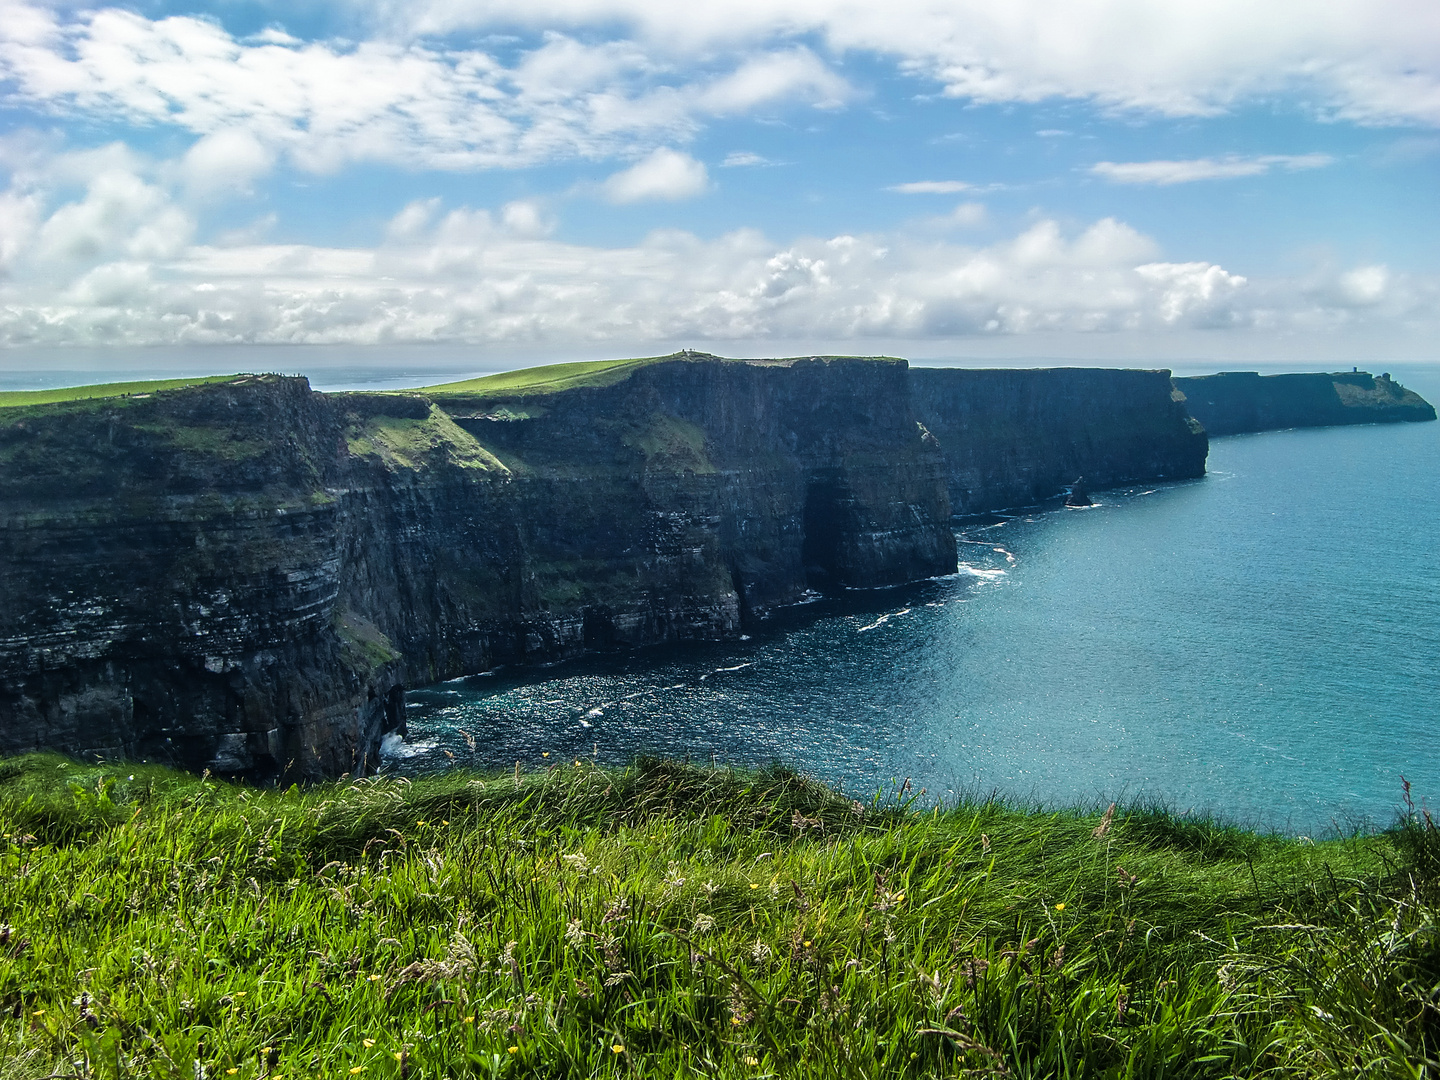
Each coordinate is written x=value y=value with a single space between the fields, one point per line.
x=1233 y=402
x=243 y=575
x=1018 y=437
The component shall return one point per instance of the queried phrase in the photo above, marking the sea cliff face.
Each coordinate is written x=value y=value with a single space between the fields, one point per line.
x=244 y=575
x=1234 y=402
x=1018 y=437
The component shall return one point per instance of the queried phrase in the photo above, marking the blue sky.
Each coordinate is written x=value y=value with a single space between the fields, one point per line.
x=567 y=178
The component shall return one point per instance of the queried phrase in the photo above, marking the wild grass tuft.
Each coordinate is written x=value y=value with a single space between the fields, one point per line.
x=666 y=920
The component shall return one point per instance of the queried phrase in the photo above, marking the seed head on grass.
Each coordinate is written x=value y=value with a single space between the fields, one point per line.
x=1104 y=826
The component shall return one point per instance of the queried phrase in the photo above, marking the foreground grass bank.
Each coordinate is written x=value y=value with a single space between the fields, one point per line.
x=668 y=921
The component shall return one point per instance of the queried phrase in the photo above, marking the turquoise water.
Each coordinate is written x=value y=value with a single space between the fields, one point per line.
x=1263 y=644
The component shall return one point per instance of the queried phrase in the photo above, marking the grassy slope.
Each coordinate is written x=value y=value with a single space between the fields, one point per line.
x=12 y=398
x=553 y=378
x=671 y=921
x=548 y=379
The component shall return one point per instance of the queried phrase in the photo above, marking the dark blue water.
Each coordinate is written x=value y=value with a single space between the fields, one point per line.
x=1263 y=644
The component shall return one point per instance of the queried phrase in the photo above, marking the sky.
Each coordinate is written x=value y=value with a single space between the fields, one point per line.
x=1100 y=180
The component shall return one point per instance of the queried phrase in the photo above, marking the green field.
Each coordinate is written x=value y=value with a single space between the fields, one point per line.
x=667 y=920
x=12 y=398
x=549 y=379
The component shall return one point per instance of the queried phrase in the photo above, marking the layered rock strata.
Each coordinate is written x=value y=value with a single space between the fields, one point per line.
x=1235 y=402
x=1015 y=437
x=244 y=575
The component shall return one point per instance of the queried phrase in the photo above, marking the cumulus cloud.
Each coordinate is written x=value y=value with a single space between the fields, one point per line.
x=776 y=77
x=665 y=174
x=1185 y=172
x=1365 y=285
x=118 y=264
x=1371 y=61
x=120 y=215
x=966 y=215
x=226 y=161
x=328 y=104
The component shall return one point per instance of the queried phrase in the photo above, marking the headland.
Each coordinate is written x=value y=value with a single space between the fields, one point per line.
x=244 y=575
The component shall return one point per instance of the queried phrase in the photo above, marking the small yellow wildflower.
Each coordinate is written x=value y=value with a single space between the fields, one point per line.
x=735 y=1020
x=514 y=1049
x=805 y=943
x=469 y=1019
x=367 y=1043
x=241 y=993
x=753 y=885
x=752 y=1061
x=231 y=1072
x=357 y=1069
x=618 y=1048
x=374 y=978
x=1059 y=907
x=545 y=753
x=38 y=1012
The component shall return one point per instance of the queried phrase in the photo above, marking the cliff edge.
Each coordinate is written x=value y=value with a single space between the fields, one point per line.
x=243 y=575
x=1236 y=402
x=1016 y=437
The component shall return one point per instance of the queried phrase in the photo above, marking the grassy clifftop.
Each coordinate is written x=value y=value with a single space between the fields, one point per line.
x=671 y=921
x=556 y=378
x=14 y=398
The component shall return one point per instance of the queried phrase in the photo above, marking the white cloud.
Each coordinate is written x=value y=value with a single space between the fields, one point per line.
x=775 y=77
x=967 y=215
x=226 y=161
x=930 y=187
x=120 y=215
x=1370 y=61
x=116 y=265
x=19 y=218
x=526 y=218
x=664 y=174
x=1185 y=172
x=741 y=158
x=1365 y=285
x=329 y=104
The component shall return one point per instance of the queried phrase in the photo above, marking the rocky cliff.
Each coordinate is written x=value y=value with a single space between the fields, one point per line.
x=1018 y=437
x=1233 y=402
x=244 y=575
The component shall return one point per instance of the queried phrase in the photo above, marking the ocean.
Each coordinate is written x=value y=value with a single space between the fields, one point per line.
x=1262 y=645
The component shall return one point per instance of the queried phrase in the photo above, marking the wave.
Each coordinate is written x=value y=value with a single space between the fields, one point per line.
x=985 y=573
x=883 y=619
x=394 y=745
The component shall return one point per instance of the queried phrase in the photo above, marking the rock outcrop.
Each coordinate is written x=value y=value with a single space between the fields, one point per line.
x=244 y=575
x=1016 y=437
x=1235 y=402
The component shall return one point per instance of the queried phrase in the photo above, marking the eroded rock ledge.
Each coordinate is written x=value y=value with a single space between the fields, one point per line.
x=244 y=575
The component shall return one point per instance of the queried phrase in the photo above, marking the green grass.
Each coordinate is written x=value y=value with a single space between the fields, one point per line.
x=414 y=444
x=13 y=398
x=549 y=379
x=554 y=378
x=666 y=920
